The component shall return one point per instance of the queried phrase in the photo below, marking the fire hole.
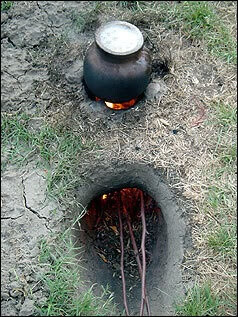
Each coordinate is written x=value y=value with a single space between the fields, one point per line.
x=115 y=106
x=119 y=214
x=119 y=106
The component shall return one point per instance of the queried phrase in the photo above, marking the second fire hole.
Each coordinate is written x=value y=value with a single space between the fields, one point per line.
x=102 y=220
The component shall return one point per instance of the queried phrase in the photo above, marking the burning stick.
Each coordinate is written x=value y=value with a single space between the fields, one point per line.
x=122 y=264
x=143 y=295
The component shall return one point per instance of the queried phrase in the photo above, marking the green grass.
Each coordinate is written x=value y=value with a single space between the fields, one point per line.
x=221 y=192
x=226 y=115
x=223 y=240
x=198 y=17
x=220 y=234
x=131 y=5
x=197 y=20
x=61 y=277
x=58 y=150
x=87 y=19
x=221 y=197
x=229 y=155
x=200 y=301
x=6 y=5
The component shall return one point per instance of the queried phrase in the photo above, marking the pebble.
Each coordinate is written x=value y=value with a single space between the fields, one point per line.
x=27 y=308
x=15 y=293
x=4 y=17
x=156 y=90
x=4 y=296
x=75 y=72
x=14 y=285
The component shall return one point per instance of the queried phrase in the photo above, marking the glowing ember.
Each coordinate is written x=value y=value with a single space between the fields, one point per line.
x=119 y=106
x=125 y=199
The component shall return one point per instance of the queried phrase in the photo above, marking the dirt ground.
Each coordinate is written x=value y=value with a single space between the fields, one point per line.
x=42 y=60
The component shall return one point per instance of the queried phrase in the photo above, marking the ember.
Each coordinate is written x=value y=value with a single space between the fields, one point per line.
x=119 y=106
x=122 y=221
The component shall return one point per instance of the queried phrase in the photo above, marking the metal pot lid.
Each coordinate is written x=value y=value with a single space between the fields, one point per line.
x=119 y=38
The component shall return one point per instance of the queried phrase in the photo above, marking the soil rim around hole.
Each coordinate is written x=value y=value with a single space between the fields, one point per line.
x=165 y=273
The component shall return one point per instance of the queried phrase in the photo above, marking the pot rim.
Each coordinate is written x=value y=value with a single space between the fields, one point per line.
x=129 y=29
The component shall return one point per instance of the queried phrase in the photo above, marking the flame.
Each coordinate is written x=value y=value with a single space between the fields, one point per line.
x=127 y=200
x=119 y=106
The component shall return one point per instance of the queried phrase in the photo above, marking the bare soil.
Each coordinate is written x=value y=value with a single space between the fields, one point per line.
x=27 y=216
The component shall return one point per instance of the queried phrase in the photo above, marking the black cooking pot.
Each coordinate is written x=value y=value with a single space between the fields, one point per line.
x=117 y=66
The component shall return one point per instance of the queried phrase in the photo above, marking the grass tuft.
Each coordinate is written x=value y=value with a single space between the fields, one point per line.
x=216 y=197
x=6 y=5
x=198 y=17
x=197 y=20
x=131 y=5
x=226 y=115
x=61 y=278
x=58 y=150
x=229 y=155
x=223 y=240
x=87 y=19
x=200 y=301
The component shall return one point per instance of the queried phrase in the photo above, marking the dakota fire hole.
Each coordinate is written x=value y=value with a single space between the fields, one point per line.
x=115 y=106
x=119 y=106
x=117 y=190
x=119 y=220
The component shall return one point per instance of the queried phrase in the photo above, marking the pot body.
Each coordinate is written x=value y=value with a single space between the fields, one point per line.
x=116 y=78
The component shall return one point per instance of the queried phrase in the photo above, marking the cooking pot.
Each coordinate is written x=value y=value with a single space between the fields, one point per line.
x=117 y=66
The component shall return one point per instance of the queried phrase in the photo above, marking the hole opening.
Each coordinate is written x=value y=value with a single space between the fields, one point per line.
x=163 y=274
x=113 y=105
x=102 y=225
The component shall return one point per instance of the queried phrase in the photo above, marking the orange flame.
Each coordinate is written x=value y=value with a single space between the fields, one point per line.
x=126 y=199
x=119 y=106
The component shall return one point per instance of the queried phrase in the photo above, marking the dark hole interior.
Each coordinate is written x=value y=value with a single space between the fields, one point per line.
x=160 y=67
x=102 y=224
